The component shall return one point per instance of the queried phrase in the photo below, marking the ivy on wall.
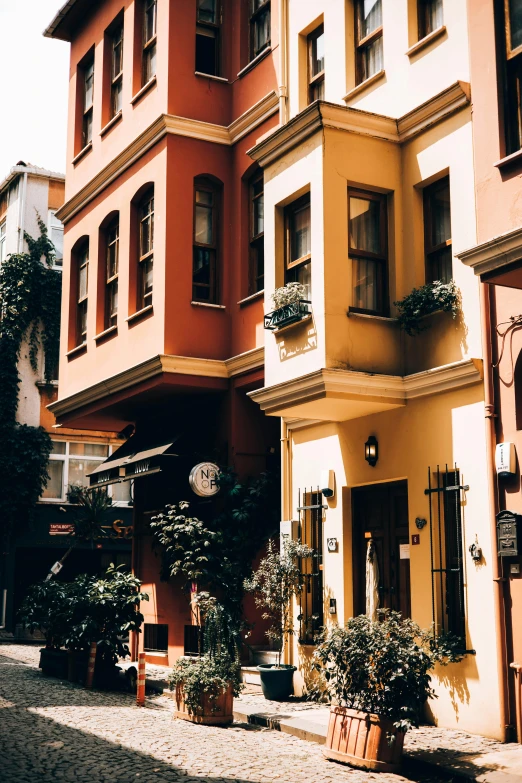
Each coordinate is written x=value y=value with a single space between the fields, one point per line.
x=30 y=298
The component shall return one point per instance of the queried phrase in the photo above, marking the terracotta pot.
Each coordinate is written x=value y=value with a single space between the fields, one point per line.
x=361 y=740
x=212 y=712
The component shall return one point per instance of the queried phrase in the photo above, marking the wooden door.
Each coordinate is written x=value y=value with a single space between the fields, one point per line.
x=380 y=511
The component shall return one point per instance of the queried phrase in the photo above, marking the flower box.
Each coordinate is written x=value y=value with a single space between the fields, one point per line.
x=211 y=712
x=291 y=313
x=363 y=740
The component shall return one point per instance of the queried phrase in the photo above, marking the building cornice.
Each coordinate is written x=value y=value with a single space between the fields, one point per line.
x=494 y=254
x=167 y=124
x=353 y=386
x=159 y=365
x=321 y=115
x=33 y=171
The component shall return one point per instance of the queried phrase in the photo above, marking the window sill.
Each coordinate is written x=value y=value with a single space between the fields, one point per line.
x=114 y=121
x=426 y=41
x=208 y=304
x=363 y=85
x=251 y=298
x=146 y=87
x=112 y=331
x=47 y=384
x=82 y=153
x=78 y=351
x=509 y=160
x=143 y=313
x=355 y=314
x=255 y=61
x=202 y=75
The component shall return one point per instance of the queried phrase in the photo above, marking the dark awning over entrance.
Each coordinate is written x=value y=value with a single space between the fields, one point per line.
x=132 y=460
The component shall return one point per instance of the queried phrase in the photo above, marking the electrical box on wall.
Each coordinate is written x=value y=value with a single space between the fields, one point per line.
x=505 y=459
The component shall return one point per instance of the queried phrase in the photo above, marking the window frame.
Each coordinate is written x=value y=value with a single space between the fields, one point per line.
x=116 y=80
x=382 y=257
x=319 y=78
x=111 y=281
x=254 y=16
x=510 y=82
x=148 y=46
x=510 y=53
x=82 y=303
x=422 y=18
x=311 y=599
x=429 y=249
x=290 y=211
x=215 y=27
x=361 y=44
x=3 y=240
x=87 y=111
x=256 y=241
x=145 y=298
x=200 y=184
x=51 y=214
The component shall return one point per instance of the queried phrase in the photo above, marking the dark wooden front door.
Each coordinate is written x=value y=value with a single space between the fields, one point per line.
x=380 y=511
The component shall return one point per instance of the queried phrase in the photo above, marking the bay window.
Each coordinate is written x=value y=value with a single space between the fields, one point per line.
x=205 y=247
x=298 y=249
x=368 y=251
x=257 y=235
x=437 y=232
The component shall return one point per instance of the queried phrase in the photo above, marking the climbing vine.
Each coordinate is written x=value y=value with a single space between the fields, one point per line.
x=30 y=293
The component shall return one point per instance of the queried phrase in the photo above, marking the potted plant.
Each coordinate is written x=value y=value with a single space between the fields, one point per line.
x=276 y=581
x=377 y=675
x=290 y=305
x=46 y=608
x=205 y=686
x=423 y=301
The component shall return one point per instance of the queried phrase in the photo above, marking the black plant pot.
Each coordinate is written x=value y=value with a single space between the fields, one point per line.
x=54 y=663
x=277 y=682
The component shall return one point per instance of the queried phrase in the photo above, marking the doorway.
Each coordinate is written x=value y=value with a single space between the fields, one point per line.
x=380 y=513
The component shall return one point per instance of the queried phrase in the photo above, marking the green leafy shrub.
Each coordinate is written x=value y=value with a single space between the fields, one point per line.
x=380 y=667
x=425 y=300
x=289 y=293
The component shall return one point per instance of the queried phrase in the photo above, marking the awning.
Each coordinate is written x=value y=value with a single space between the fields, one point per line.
x=127 y=463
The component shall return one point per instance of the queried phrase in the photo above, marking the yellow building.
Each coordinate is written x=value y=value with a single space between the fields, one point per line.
x=369 y=192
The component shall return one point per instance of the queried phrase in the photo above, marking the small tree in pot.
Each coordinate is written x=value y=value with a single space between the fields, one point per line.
x=276 y=581
x=377 y=675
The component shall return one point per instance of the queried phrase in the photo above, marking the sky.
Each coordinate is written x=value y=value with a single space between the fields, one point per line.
x=33 y=98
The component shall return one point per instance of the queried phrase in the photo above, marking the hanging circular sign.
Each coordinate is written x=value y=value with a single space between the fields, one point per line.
x=202 y=479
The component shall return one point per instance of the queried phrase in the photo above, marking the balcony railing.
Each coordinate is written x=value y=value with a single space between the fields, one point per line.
x=288 y=314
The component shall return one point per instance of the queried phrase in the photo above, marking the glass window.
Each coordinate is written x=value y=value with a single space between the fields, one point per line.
x=430 y=16
x=88 y=96
x=368 y=251
x=55 y=229
x=117 y=70
x=316 y=65
x=437 y=232
x=368 y=34
x=146 y=257
x=512 y=75
x=257 y=235
x=112 y=238
x=259 y=26
x=204 y=270
x=299 y=243
x=54 y=487
x=514 y=19
x=82 y=295
x=2 y=241
x=149 y=40
x=208 y=37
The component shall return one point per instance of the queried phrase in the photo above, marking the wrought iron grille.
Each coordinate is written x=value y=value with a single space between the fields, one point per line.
x=156 y=637
x=288 y=314
x=445 y=493
x=310 y=532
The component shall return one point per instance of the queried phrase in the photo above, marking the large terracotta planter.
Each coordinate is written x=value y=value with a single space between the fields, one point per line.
x=361 y=740
x=212 y=712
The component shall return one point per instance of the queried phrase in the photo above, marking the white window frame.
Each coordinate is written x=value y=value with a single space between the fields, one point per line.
x=95 y=460
x=50 y=228
x=3 y=240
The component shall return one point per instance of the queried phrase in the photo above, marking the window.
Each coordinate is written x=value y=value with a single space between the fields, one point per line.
x=156 y=637
x=257 y=235
x=55 y=229
x=259 y=26
x=111 y=277
x=88 y=96
x=368 y=37
x=82 y=295
x=205 y=262
x=207 y=37
x=3 y=232
x=430 y=16
x=311 y=599
x=69 y=464
x=316 y=65
x=149 y=40
x=437 y=232
x=298 y=250
x=116 y=42
x=146 y=250
x=368 y=251
x=513 y=75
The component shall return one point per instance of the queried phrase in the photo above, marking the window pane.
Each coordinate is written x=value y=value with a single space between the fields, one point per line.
x=257 y=4
x=58 y=447
x=441 y=216
x=317 y=91
x=515 y=21
x=82 y=317
x=317 y=54
x=82 y=282
x=117 y=52
x=367 y=284
x=78 y=468
x=203 y=225
x=57 y=240
x=147 y=272
x=89 y=86
x=259 y=215
x=112 y=256
x=201 y=273
x=261 y=31
x=145 y=237
x=206 y=53
x=434 y=18
x=89 y=449
x=365 y=225
x=54 y=488
x=207 y=11
x=301 y=240
x=149 y=66
x=371 y=16
x=204 y=197
x=372 y=59
x=150 y=20
x=113 y=299
x=440 y=266
x=122 y=492
x=87 y=128
x=117 y=102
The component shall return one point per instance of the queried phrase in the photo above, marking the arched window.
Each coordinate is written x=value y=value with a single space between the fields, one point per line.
x=146 y=249
x=108 y=272
x=79 y=292
x=205 y=283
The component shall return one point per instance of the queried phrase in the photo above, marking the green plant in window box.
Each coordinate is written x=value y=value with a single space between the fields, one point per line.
x=288 y=294
x=427 y=299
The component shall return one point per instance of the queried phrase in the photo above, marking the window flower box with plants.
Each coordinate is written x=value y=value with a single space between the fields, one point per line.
x=290 y=306
x=431 y=298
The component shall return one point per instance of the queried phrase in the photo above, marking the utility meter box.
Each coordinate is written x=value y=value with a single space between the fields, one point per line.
x=508 y=524
x=505 y=459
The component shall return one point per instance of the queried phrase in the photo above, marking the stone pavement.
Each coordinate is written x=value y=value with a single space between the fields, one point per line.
x=53 y=731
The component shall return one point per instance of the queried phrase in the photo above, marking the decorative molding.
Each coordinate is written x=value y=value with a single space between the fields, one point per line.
x=143 y=90
x=362 y=86
x=82 y=153
x=246 y=362
x=178 y=126
x=419 y=46
x=495 y=253
x=145 y=312
x=433 y=111
x=442 y=379
x=188 y=365
x=112 y=122
x=252 y=64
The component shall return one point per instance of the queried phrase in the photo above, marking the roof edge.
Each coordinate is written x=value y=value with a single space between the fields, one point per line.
x=51 y=31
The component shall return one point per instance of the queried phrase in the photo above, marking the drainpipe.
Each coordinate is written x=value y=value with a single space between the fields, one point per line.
x=286 y=511
x=283 y=69
x=491 y=441
x=4 y=609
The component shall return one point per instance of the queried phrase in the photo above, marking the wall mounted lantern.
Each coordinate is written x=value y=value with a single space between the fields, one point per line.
x=371 y=451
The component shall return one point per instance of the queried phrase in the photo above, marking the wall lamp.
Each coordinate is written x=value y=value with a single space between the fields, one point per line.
x=371 y=451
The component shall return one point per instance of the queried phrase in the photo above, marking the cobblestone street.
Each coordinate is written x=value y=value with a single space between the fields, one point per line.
x=52 y=730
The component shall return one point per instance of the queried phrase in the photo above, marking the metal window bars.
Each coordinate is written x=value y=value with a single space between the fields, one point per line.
x=310 y=532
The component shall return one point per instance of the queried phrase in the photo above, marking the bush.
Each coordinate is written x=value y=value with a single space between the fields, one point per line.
x=425 y=300
x=287 y=294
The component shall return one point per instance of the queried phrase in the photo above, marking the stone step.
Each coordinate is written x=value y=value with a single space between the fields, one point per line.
x=250 y=675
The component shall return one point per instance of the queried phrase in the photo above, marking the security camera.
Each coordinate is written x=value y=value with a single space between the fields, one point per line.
x=327 y=483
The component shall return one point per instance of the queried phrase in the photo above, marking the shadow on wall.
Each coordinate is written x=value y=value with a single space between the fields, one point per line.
x=297 y=340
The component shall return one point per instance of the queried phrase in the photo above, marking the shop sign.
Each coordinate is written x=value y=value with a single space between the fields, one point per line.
x=203 y=479
x=60 y=529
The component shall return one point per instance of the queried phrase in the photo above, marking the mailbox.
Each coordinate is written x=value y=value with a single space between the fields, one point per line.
x=507 y=533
